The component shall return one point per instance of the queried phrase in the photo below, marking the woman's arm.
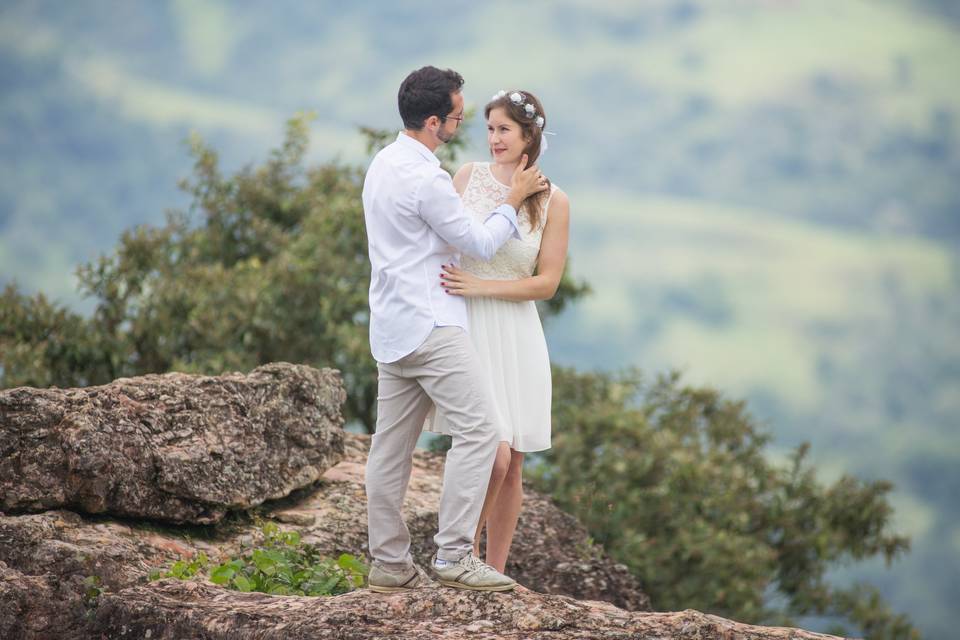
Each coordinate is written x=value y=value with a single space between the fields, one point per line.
x=550 y=262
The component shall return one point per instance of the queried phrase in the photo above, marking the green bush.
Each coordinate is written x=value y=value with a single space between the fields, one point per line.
x=675 y=482
x=282 y=565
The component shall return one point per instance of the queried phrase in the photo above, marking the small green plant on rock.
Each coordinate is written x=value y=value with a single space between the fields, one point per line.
x=282 y=565
x=92 y=588
x=183 y=569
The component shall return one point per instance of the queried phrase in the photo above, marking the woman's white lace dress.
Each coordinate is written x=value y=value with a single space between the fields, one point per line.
x=508 y=335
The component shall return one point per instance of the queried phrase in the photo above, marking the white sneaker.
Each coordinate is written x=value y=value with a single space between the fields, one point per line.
x=471 y=573
x=383 y=580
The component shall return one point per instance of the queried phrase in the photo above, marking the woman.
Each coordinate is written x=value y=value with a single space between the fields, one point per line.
x=501 y=295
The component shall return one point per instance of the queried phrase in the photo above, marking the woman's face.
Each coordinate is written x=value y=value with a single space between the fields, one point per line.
x=505 y=137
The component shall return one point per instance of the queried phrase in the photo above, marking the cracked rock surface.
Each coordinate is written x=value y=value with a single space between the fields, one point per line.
x=175 y=447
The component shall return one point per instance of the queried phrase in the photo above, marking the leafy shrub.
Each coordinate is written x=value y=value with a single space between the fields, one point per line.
x=282 y=565
x=183 y=569
x=675 y=482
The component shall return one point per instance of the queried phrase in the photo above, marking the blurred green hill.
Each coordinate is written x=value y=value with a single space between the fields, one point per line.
x=765 y=192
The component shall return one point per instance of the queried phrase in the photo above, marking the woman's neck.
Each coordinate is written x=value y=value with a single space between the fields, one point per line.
x=504 y=171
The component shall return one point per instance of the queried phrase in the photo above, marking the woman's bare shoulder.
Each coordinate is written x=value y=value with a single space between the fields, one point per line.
x=559 y=200
x=462 y=177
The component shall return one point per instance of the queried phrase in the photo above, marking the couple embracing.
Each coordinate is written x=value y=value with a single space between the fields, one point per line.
x=456 y=266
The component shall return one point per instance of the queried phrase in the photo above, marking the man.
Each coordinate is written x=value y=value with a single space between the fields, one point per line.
x=416 y=223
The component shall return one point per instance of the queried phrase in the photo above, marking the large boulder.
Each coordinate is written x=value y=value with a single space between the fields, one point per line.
x=175 y=447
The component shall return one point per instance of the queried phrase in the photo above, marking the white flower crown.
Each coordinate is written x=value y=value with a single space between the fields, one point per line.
x=517 y=98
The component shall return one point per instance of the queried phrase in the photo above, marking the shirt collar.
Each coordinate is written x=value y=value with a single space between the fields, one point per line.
x=419 y=147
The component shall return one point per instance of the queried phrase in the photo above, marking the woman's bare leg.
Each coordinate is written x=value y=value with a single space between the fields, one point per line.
x=503 y=516
x=501 y=465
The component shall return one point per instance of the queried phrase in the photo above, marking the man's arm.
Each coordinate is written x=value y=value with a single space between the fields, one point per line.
x=550 y=263
x=442 y=208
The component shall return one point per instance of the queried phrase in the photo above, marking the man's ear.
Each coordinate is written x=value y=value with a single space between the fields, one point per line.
x=431 y=122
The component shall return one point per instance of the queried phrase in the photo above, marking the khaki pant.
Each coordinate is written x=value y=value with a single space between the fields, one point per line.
x=443 y=370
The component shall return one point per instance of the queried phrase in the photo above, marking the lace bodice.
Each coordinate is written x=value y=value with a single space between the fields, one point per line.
x=516 y=259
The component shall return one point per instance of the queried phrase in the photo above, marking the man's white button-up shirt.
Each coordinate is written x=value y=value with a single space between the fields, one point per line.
x=416 y=223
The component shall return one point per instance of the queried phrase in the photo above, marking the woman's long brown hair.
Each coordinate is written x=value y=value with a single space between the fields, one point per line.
x=533 y=205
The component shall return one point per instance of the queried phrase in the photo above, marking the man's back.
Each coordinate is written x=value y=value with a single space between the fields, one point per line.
x=406 y=254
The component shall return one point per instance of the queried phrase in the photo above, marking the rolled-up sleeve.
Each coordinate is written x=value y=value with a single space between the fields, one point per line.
x=440 y=207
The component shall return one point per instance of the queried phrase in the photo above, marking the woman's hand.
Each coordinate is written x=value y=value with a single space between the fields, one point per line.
x=458 y=282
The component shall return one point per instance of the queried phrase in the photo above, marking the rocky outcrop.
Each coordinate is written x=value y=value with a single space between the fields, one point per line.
x=123 y=432
x=62 y=548
x=169 y=610
x=175 y=447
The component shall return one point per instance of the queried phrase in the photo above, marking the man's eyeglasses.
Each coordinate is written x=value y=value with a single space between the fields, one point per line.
x=459 y=119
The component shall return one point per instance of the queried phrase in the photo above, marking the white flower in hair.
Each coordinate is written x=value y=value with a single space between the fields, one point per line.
x=530 y=109
x=540 y=121
x=516 y=98
x=498 y=95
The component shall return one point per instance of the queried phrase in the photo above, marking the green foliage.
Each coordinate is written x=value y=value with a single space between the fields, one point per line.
x=92 y=590
x=183 y=569
x=282 y=565
x=44 y=344
x=272 y=266
x=674 y=482
x=865 y=605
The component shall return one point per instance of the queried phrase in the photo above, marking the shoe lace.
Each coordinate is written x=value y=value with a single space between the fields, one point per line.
x=476 y=564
